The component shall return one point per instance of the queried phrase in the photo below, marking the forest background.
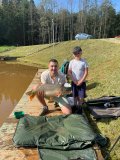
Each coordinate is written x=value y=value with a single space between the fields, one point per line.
x=23 y=22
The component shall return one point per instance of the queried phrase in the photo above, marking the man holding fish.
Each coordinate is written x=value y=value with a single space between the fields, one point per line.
x=52 y=86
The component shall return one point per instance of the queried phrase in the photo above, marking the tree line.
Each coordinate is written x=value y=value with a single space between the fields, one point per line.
x=24 y=23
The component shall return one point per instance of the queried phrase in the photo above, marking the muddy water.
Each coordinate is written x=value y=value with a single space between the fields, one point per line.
x=14 y=80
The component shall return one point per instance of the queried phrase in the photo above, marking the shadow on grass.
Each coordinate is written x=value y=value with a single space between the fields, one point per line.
x=8 y=58
x=93 y=122
x=92 y=85
x=106 y=120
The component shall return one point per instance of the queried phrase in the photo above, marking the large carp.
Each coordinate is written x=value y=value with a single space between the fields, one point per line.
x=50 y=90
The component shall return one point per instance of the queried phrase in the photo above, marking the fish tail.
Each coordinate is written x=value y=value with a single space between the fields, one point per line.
x=29 y=93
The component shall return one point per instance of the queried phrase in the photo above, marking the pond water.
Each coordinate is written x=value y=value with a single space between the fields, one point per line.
x=14 y=80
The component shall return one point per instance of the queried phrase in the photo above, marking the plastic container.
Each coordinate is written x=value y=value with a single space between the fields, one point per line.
x=19 y=114
x=68 y=86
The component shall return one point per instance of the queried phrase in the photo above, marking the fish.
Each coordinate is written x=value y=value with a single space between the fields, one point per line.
x=50 y=90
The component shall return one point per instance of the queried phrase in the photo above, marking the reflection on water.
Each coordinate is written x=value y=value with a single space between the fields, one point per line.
x=14 y=80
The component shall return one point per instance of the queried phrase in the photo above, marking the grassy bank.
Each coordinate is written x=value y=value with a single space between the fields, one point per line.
x=104 y=79
x=6 y=48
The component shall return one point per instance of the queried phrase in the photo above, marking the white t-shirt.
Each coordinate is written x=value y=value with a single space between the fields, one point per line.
x=46 y=78
x=78 y=68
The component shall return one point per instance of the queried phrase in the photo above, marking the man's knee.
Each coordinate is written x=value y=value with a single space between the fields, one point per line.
x=66 y=110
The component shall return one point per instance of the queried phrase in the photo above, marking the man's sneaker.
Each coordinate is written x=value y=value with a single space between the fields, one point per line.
x=76 y=109
x=79 y=110
x=44 y=110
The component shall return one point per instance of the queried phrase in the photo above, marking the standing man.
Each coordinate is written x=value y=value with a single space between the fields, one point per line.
x=53 y=76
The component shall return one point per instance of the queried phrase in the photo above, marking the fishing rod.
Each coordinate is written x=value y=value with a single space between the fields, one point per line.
x=108 y=154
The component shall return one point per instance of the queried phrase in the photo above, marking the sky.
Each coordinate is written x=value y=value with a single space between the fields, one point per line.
x=64 y=3
x=116 y=4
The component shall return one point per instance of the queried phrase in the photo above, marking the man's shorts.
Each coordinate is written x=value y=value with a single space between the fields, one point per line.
x=79 y=91
x=62 y=101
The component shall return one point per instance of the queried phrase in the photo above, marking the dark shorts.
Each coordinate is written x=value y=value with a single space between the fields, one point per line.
x=79 y=91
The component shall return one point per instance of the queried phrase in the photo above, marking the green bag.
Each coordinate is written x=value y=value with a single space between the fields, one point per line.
x=64 y=67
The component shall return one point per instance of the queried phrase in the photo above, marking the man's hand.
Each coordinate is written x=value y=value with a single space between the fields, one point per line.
x=79 y=83
x=41 y=94
x=75 y=82
x=35 y=87
x=58 y=94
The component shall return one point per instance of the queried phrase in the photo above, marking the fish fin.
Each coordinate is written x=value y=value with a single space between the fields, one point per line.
x=31 y=97
x=31 y=94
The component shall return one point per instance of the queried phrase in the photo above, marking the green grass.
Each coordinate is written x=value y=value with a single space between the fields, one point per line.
x=104 y=73
x=5 y=48
x=24 y=50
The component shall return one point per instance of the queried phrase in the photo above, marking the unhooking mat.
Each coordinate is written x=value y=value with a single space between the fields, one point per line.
x=57 y=138
x=104 y=107
x=102 y=101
